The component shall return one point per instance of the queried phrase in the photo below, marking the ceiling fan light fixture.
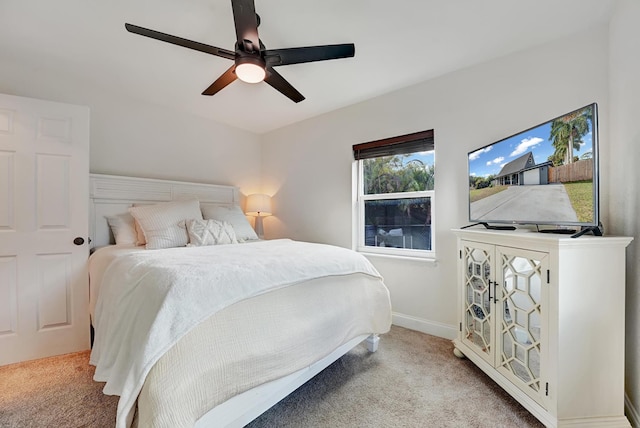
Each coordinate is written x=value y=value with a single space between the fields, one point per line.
x=250 y=70
x=253 y=62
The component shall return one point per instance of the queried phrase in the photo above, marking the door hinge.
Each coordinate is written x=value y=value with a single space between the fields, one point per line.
x=546 y=389
x=460 y=254
x=461 y=327
x=548 y=276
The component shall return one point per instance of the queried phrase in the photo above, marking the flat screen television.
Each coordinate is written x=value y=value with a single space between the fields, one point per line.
x=545 y=175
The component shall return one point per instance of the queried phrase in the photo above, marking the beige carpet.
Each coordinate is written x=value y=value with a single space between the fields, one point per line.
x=54 y=392
x=412 y=381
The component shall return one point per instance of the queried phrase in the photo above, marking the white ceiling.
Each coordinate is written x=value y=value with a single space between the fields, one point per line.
x=398 y=43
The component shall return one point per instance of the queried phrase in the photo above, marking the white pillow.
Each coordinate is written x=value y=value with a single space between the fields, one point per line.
x=161 y=223
x=123 y=228
x=210 y=232
x=235 y=216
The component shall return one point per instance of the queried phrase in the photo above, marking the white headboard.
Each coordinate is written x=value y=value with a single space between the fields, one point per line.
x=111 y=194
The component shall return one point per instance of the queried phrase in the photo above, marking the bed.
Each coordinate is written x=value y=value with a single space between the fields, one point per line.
x=214 y=333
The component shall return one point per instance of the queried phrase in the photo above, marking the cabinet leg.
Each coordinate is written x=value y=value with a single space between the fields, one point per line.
x=458 y=353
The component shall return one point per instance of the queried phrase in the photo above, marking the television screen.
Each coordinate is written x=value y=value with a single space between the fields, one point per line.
x=545 y=175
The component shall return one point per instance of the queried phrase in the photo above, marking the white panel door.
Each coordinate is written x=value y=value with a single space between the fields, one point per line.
x=44 y=190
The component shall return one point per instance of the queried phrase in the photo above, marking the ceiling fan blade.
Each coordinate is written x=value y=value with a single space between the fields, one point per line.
x=224 y=53
x=275 y=57
x=221 y=82
x=246 y=22
x=280 y=84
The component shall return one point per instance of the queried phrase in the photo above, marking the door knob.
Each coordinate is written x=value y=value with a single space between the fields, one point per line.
x=78 y=241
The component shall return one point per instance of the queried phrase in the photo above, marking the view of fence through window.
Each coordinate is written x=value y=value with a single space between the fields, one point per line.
x=397 y=211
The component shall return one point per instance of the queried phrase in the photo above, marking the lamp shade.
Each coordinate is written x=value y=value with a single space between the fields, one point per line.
x=258 y=204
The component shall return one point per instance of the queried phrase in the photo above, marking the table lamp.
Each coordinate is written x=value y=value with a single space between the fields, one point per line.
x=259 y=205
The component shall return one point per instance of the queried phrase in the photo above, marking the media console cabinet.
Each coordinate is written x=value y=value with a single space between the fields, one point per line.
x=543 y=316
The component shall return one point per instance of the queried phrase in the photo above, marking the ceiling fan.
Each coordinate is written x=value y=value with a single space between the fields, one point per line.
x=253 y=63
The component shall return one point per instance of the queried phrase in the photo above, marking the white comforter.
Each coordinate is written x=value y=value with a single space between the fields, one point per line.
x=149 y=300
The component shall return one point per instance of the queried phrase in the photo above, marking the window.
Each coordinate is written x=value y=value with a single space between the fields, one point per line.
x=395 y=195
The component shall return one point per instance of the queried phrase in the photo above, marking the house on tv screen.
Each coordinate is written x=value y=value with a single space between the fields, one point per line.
x=523 y=171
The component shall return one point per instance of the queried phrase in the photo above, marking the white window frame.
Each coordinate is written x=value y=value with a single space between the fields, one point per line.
x=360 y=222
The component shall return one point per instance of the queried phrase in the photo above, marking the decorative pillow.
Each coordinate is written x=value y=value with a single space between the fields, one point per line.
x=123 y=228
x=235 y=216
x=161 y=223
x=210 y=232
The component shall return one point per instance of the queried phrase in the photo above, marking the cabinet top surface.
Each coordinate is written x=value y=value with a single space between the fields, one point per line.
x=524 y=235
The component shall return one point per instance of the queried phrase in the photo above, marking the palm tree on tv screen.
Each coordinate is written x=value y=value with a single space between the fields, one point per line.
x=567 y=132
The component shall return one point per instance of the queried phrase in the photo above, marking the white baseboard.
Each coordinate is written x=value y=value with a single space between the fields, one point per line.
x=632 y=413
x=433 y=328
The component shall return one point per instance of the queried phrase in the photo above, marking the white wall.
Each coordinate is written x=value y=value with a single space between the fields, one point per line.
x=624 y=207
x=133 y=137
x=308 y=166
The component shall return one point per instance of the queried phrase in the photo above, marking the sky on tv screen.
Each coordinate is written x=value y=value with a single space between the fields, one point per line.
x=490 y=159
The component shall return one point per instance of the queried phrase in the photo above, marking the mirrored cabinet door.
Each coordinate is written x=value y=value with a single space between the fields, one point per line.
x=522 y=295
x=477 y=326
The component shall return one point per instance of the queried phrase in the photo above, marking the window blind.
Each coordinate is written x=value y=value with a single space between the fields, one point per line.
x=410 y=143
